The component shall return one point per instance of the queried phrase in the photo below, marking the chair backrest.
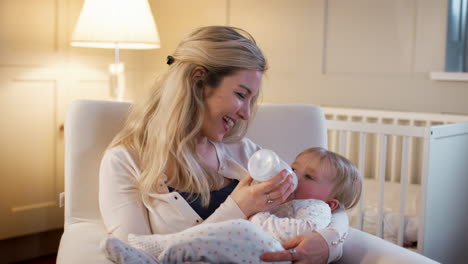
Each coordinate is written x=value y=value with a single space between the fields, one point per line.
x=288 y=129
x=91 y=125
x=89 y=128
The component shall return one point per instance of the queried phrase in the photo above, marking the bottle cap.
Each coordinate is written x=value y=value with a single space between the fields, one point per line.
x=263 y=164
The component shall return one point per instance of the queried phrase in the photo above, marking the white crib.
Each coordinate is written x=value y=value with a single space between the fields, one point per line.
x=415 y=167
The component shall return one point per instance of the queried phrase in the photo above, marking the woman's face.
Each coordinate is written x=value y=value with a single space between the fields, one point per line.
x=229 y=102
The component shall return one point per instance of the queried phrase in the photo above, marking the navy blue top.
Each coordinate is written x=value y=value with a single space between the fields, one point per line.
x=216 y=199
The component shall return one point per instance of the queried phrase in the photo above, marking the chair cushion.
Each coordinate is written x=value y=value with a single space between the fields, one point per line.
x=364 y=248
x=80 y=244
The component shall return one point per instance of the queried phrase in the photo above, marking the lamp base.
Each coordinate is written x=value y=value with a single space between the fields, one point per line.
x=117 y=80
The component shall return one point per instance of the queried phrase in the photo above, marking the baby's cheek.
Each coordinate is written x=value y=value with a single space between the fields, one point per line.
x=299 y=194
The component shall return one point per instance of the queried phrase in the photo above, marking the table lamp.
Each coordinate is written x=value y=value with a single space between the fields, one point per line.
x=116 y=24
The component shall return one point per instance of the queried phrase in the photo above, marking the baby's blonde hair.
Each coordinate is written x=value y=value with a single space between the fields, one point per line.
x=347 y=181
x=162 y=128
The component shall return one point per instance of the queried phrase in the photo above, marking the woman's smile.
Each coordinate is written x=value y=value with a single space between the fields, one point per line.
x=228 y=123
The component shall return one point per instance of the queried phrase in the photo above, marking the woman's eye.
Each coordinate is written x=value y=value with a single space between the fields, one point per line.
x=241 y=95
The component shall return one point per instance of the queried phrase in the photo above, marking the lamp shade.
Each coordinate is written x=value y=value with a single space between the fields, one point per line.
x=123 y=24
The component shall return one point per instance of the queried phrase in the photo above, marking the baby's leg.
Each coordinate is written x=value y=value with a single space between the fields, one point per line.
x=121 y=253
x=234 y=241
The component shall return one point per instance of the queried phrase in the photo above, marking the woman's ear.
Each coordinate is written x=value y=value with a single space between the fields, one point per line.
x=333 y=203
x=198 y=73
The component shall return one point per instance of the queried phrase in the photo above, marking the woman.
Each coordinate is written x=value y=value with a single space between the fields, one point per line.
x=181 y=157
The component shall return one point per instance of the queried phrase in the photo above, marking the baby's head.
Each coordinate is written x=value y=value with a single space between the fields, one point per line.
x=327 y=176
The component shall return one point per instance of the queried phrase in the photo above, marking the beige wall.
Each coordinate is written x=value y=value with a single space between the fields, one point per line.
x=361 y=53
x=355 y=53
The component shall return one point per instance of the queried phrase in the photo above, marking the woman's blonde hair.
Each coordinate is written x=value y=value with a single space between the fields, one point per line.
x=162 y=128
x=347 y=180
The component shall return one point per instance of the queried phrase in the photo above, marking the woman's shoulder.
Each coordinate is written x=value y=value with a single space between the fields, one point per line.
x=120 y=156
x=245 y=145
x=119 y=152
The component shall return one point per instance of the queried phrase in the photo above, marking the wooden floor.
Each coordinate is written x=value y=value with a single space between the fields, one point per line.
x=40 y=248
x=42 y=260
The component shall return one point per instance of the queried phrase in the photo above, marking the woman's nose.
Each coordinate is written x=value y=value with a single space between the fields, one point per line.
x=244 y=112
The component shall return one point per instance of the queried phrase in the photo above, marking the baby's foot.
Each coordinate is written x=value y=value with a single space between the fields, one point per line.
x=122 y=253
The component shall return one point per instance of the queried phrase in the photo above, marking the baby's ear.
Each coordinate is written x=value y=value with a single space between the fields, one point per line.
x=333 y=203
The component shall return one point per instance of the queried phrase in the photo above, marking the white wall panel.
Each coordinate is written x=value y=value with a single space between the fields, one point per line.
x=28 y=31
x=430 y=36
x=290 y=35
x=370 y=36
x=28 y=157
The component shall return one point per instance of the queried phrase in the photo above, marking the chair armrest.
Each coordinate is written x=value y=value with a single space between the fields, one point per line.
x=80 y=244
x=363 y=248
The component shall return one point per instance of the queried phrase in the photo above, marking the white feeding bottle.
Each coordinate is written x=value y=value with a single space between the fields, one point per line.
x=265 y=164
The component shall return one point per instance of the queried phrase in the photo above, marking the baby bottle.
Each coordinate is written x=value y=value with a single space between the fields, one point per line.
x=265 y=163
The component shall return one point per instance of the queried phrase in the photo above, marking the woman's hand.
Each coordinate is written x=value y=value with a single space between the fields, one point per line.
x=264 y=196
x=310 y=248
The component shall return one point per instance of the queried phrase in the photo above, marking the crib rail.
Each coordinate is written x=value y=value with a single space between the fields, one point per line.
x=405 y=121
x=383 y=131
x=393 y=117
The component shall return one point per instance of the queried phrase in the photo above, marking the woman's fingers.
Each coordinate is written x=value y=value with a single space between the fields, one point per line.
x=308 y=248
x=246 y=181
x=277 y=180
x=283 y=191
x=264 y=196
x=293 y=242
x=276 y=256
x=279 y=187
x=284 y=255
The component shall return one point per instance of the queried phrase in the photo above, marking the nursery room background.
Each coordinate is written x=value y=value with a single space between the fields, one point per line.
x=368 y=54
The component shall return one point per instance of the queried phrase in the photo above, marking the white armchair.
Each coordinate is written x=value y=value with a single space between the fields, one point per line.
x=89 y=128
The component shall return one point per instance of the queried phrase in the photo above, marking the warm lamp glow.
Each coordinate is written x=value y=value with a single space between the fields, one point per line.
x=124 y=24
x=116 y=24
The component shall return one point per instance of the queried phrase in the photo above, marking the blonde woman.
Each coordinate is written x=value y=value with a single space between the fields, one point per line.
x=181 y=158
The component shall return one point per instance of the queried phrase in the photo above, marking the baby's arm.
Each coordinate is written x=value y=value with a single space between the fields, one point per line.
x=305 y=216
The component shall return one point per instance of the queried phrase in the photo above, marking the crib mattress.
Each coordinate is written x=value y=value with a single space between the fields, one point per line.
x=392 y=194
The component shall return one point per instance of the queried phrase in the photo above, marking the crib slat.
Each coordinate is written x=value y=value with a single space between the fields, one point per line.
x=403 y=184
x=332 y=139
x=362 y=164
x=342 y=142
x=382 y=163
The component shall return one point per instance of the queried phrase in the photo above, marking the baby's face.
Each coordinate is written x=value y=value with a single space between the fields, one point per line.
x=314 y=177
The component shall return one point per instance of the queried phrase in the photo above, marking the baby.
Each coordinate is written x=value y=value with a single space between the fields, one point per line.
x=326 y=181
